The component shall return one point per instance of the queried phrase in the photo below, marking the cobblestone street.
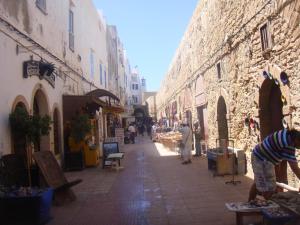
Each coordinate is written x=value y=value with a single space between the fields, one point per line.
x=153 y=188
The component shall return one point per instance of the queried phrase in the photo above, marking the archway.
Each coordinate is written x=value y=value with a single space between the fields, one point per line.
x=222 y=119
x=56 y=132
x=40 y=107
x=19 y=141
x=188 y=116
x=139 y=115
x=270 y=115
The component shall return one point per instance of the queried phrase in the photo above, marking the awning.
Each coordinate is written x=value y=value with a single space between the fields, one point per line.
x=113 y=109
x=73 y=104
x=108 y=107
x=102 y=93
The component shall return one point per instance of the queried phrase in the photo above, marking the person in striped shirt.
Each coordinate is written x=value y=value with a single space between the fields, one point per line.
x=279 y=146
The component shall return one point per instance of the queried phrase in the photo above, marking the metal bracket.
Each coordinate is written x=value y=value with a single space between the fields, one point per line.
x=20 y=49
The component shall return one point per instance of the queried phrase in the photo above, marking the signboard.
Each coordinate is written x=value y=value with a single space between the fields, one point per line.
x=110 y=148
x=41 y=69
x=119 y=133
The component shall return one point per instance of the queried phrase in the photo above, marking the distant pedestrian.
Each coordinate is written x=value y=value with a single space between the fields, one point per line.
x=132 y=131
x=187 y=143
x=149 y=130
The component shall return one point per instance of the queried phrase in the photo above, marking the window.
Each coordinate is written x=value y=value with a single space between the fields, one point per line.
x=134 y=99
x=143 y=82
x=71 y=30
x=101 y=79
x=132 y=86
x=219 y=70
x=105 y=78
x=92 y=64
x=264 y=35
x=136 y=87
x=41 y=4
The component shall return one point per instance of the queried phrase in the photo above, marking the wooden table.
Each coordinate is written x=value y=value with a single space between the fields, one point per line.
x=239 y=216
x=243 y=210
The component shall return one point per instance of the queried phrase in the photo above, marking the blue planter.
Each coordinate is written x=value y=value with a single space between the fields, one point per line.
x=277 y=219
x=33 y=210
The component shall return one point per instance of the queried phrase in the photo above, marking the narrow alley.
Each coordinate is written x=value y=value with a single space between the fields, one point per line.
x=154 y=188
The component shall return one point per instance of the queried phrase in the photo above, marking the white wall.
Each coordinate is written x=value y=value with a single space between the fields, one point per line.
x=50 y=30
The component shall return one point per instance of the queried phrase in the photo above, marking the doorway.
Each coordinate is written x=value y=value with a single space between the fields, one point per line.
x=56 y=132
x=188 y=116
x=222 y=119
x=19 y=141
x=271 y=115
x=40 y=108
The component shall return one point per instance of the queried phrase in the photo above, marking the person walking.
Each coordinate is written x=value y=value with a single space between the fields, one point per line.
x=132 y=131
x=187 y=143
x=279 y=146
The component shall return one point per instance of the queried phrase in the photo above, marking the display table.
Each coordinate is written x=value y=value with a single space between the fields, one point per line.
x=219 y=162
x=246 y=209
x=170 y=139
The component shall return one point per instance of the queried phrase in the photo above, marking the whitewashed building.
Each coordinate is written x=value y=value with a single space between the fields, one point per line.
x=68 y=34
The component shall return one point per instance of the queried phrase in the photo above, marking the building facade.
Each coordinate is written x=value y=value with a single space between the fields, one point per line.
x=136 y=87
x=53 y=34
x=236 y=71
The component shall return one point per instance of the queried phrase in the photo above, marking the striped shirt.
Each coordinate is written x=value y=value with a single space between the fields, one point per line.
x=276 y=147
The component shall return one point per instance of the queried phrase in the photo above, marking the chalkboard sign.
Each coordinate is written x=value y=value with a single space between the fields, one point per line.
x=110 y=147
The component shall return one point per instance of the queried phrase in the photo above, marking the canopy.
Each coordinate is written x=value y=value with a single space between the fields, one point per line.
x=102 y=93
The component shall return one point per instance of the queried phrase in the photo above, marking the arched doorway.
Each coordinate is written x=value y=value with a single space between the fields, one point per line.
x=222 y=119
x=56 y=132
x=271 y=115
x=19 y=141
x=188 y=116
x=40 y=107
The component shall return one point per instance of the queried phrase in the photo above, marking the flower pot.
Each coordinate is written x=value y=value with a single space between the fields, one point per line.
x=33 y=209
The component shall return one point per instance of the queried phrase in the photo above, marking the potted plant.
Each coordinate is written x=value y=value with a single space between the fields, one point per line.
x=30 y=205
x=80 y=128
x=32 y=127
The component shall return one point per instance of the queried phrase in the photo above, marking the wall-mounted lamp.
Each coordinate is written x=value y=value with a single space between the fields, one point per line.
x=284 y=78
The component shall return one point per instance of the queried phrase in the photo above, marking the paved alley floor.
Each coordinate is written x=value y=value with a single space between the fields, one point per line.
x=154 y=188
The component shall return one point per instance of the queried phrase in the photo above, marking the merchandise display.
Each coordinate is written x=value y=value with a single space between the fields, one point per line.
x=255 y=205
x=289 y=200
x=170 y=139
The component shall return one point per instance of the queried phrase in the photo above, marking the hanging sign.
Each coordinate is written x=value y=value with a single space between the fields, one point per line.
x=41 y=69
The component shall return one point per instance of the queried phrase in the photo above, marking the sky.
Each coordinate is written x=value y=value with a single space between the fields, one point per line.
x=150 y=31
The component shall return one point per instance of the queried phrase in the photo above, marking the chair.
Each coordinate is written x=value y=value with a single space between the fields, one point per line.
x=55 y=177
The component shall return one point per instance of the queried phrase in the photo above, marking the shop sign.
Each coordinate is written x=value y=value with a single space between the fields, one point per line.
x=119 y=133
x=41 y=69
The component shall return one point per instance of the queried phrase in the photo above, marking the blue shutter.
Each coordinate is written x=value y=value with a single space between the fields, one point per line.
x=101 y=81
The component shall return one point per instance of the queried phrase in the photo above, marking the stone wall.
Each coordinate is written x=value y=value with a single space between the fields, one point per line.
x=228 y=32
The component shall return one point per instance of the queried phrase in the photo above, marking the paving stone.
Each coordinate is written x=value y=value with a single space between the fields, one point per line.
x=150 y=190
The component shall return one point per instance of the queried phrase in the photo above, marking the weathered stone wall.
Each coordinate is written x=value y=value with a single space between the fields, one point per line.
x=228 y=32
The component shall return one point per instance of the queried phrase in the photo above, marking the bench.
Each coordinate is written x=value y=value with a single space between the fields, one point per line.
x=111 y=154
x=55 y=177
